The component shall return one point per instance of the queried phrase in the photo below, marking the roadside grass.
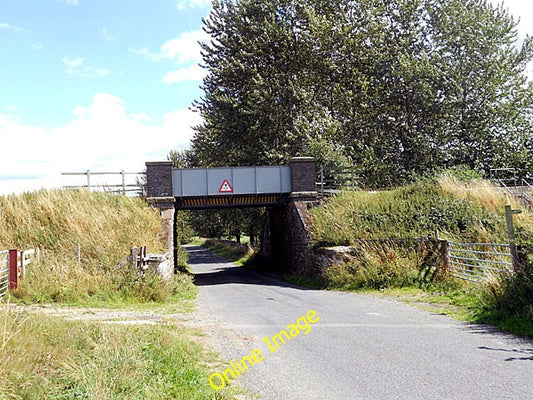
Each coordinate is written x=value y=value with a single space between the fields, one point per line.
x=43 y=357
x=61 y=280
x=48 y=357
x=462 y=301
x=463 y=211
x=236 y=253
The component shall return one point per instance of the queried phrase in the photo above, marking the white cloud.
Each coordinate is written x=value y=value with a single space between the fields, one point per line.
x=104 y=34
x=182 y=49
x=101 y=136
x=13 y=28
x=7 y=120
x=73 y=62
x=185 y=48
x=186 y=4
x=76 y=66
x=70 y=2
x=191 y=73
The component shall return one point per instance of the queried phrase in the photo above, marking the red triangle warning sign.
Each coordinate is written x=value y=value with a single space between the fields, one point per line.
x=225 y=187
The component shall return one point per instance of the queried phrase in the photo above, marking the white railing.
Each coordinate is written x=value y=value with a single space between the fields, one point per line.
x=115 y=182
x=4 y=272
x=22 y=258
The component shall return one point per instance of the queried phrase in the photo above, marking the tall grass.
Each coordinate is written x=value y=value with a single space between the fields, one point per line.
x=50 y=358
x=377 y=266
x=469 y=212
x=105 y=227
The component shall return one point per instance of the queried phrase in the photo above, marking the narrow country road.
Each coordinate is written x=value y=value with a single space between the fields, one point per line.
x=362 y=347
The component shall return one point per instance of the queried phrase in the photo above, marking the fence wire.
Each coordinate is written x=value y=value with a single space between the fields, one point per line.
x=476 y=261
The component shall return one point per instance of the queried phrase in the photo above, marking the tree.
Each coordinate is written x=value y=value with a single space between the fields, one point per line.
x=397 y=87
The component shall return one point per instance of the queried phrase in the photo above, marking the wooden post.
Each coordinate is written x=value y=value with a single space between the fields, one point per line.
x=13 y=269
x=88 y=180
x=445 y=255
x=510 y=233
x=123 y=182
x=134 y=257
x=322 y=183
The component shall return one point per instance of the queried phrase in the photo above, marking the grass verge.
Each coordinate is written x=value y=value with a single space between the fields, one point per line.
x=44 y=357
x=475 y=303
x=470 y=211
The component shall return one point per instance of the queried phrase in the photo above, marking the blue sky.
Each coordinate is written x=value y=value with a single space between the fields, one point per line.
x=102 y=84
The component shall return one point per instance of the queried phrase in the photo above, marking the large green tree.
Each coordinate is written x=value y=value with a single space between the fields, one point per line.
x=397 y=87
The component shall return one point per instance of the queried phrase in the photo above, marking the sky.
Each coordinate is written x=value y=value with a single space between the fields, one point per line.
x=103 y=85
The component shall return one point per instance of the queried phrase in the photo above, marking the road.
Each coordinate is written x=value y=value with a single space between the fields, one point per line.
x=362 y=347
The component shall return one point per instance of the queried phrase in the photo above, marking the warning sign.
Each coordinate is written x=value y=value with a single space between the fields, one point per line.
x=225 y=187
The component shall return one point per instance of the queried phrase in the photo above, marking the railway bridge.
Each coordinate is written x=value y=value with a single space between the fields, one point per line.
x=285 y=191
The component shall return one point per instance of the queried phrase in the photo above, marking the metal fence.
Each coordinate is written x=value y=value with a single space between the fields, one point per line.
x=131 y=183
x=333 y=180
x=4 y=272
x=476 y=261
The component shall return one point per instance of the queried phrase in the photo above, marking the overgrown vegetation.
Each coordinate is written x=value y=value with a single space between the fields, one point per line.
x=464 y=211
x=471 y=212
x=48 y=357
x=105 y=227
x=43 y=357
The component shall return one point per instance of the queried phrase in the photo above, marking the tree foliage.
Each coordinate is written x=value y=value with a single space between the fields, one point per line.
x=396 y=87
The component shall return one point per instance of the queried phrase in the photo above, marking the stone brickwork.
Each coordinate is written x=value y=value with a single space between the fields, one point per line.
x=286 y=243
x=161 y=196
x=303 y=175
x=159 y=179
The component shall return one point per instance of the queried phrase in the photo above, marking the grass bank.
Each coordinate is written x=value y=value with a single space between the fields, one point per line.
x=463 y=211
x=45 y=356
x=104 y=227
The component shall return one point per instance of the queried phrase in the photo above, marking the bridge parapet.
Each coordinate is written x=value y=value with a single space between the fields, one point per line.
x=233 y=186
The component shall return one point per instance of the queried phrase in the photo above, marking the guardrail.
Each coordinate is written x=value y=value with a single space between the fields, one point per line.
x=333 y=180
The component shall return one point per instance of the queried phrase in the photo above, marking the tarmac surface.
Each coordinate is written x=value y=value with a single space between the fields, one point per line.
x=362 y=347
